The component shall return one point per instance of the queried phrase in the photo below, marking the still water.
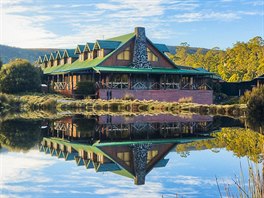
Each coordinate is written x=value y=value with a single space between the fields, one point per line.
x=124 y=156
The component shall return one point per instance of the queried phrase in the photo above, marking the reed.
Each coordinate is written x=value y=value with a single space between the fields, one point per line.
x=253 y=188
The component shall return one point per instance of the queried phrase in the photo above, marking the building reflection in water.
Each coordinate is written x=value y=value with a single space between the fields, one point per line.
x=127 y=146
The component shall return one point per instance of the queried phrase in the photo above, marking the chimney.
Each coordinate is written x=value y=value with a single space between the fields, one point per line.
x=140 y=56
x=140 y=153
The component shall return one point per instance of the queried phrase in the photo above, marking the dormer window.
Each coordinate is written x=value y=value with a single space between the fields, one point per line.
x=124 y=55
x=151 y=56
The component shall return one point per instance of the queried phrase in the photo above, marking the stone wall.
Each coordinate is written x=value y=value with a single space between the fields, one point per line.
x=198 y=96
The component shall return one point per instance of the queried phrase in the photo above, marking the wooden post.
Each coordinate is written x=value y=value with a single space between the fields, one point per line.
x=129 y=81
x=72 y=82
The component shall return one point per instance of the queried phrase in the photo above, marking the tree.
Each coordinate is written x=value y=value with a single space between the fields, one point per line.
x=1 y=63
x=19 y=76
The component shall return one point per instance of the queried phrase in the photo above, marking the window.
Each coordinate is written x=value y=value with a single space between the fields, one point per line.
x=125 y=55
x=151 y=56
x=125 y=156
x=152 y=154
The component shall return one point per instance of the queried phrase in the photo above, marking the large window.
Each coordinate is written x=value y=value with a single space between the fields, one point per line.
x=125 y=55
x=125 y=156
x=151 y=56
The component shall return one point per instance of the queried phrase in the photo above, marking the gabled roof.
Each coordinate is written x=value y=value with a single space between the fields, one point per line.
x=161 y=47
x=52 y=56
x=40 y=59
x=115 y=44
x=87 y=64
x=79 y=49
x=106 y=44
x=69 y=53
x=88 y=47
x=162 y=53
x=59 y=54
x=46 y=58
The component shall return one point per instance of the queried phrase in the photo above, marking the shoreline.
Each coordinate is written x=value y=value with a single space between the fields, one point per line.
x=57 y=103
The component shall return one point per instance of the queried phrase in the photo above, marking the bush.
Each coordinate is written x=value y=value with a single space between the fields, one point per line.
x=256 y=106
x=85 y=88
x=19 y=76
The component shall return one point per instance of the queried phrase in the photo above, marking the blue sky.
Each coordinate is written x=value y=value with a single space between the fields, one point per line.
x=66 y=23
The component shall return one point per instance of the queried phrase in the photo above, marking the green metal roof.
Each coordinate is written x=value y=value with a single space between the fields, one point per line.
x=123 y=38
x=87 y=64
x=107 y=44
x=52 y=55
x=79 y=49
x=46 y=58
x=59 y=54
x=88 y=47
x=161 y=47
x=40 y=59
x=115 y=43
x=69 y=53
x=125 y=69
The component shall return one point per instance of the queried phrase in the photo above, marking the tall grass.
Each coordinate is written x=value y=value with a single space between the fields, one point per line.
x=253 y=188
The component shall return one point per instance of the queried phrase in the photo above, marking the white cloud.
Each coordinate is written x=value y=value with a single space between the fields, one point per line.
x=201 y=16
x=64 y=25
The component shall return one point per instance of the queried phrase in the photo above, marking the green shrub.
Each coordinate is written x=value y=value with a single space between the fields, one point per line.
x=19 y=76
x=256 y=106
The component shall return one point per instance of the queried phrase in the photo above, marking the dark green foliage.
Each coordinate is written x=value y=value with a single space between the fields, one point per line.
x=1 y=63
x=85 y=88
x=19 y=76
x=20 y=134
x=256 y=107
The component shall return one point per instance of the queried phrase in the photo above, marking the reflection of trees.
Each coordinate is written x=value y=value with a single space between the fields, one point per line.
x=19 y=134
x=243 y=142
x=255 y=123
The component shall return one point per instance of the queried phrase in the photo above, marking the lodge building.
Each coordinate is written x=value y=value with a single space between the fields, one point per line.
x=127 y=65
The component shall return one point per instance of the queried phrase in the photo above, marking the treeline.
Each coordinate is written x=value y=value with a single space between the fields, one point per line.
x=242 y=62
x=8 y=53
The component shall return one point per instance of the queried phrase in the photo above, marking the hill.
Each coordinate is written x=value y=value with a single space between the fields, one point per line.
x=7 y=53
x=191 y=50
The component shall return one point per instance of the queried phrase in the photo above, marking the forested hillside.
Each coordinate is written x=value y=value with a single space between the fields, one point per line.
x=242 y=62
x=7 y=53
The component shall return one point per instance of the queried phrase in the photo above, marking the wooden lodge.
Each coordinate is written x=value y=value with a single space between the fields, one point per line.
x=128 y=65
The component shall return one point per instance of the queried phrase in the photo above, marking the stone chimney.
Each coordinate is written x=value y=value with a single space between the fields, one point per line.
x=140 y=56
x=140 y=154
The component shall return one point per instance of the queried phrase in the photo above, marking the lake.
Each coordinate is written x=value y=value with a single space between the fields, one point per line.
x=125 y=156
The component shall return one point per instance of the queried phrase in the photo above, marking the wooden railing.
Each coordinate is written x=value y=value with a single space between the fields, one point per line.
x=60 y=85
x=154 y=86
